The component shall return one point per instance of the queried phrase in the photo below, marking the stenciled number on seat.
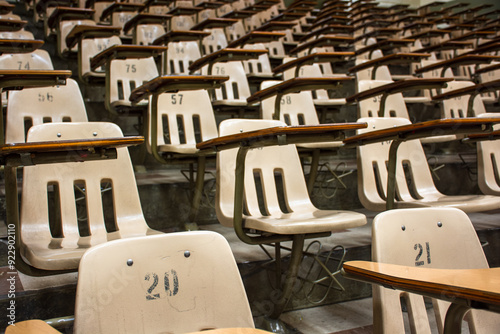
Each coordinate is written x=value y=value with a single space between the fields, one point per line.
x=25 y=66
x=170 y=289
x=131 y=68
x=174 y=99
x=418 y=261
x=45 y=97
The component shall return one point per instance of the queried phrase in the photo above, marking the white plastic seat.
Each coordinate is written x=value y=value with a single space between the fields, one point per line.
x=297 y=219
x=34 y=106
x=488 y=163
x=170 y=283
x=63 y=31
x=54 y=237
x=179 y=56
x=90 y=48
x=425 y=237
x=372 y=176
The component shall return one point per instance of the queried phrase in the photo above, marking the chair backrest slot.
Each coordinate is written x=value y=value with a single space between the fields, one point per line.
x=81 y=206
x=181 y=129
x=108 y=202
x=54 y=210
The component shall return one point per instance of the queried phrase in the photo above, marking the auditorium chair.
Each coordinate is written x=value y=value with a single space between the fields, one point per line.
x=176 y=283
x=240 y=175
x=420 y=237
x=413 y=180
x=73 y=206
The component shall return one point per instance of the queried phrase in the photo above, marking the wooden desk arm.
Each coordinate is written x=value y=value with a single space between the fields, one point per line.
x=313 y=58
x=255 y=37
x=378 y=32
x=331 y=29
x=19 y=45
x=25 y=154
x=225 y=55
x=385 y=44
x=144 y=18
x=19 y=79
x=494 y=47
x=209 y=4
x=279 y=136
x=485 y=69
x=33 y=326
x=151 y=3
x=6 y=8
x=296 y=85
x=174 y=36
x=120 y=7
x=458 y=61
x=489 y=86
x=68 y=13
x=395 y=58
x=181 y=10
x=430 y=33
x=12 y=25
x=333 y=19
x=447 y=45
x=213 y=23
x=399 y=87
x=424 y=130
x=472 y=287
x=238 y=14
x=327 y=40
x=124 y=52
x=173 y=83
x=276 y=26
x=287 y=17
x=84 y=31
x=474 y=35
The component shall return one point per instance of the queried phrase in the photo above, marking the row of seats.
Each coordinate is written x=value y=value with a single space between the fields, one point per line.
x=185 y=106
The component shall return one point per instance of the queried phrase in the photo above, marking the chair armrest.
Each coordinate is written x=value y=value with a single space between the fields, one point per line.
x=276 y=26
x=255 y=37
x=238 y=14
x=333 y=19
x=327 y=40
x=84 y=31
x=380 y=32
x=19 y=45
x=430 y=33
x=482 y=70
x=489 y=86
x=474 y=35
x=419 y=25
x=409 y=18
x=68 y=13
x=214 y=23
x=150 y=3
x=495 y=135
x=42 y=5
x=385 y=44
x=145 y=18
x=19 y=79
x=257 y=8
x=181 y=10
x=479 y=286
x=288 y=17
x=124 y=52
x=33 y=326
x=12 y=25
x=313 y=58
x=425 y=129
x=296 y=85
x=23 y=154
x=209 y=4
x=225 y=55
x=120 y=7
x=458 y=61
x=399 y=87
x=6 y=8
x=281 y=135
x=172 y=83
x=377 y=23
x=174 y=36
x=392 y=59
x=446 y=45
x=494 y=47
x=331 y=29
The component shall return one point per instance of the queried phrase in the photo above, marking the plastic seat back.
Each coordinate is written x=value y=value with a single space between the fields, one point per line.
x=488 y=163
x=234 y=90
x=180 y=56
x=184 y=119
x=214 y=42
x=295 y=109
x=36 y=60
x=126 y=75
x=63 y=31
x=260 y=66
x=170 y=283
x=33 y=106
x=458 y=107
x=73 y=206
x=372 y=170
x=267 y=169
x=90 y=48
x=425 y=237
x=145 y=34
x=394 y=104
